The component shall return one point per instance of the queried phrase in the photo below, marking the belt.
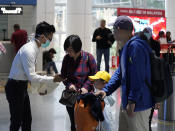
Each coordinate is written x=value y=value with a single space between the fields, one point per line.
x=18 y=81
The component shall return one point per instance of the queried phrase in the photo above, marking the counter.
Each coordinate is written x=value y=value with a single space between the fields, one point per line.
x=6 y=61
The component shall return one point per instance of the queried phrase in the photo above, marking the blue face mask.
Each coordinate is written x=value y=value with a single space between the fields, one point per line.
x=46 y=44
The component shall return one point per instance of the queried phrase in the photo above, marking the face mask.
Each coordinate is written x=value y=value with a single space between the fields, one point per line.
x=148 y=35
x=46 y=44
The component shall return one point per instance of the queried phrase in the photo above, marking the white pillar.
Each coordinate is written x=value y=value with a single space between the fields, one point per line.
x=45 y=11
x=79 y=21
x=170 y=15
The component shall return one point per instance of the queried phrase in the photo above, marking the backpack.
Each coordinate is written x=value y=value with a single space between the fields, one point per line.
x=88 y=112
x=161 y=80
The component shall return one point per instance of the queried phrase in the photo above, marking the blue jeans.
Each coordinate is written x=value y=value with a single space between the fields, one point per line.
x=49 y=65
x=99 y=53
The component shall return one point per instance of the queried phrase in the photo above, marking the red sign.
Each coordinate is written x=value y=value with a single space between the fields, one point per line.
x=140 y=12
x=155 y=23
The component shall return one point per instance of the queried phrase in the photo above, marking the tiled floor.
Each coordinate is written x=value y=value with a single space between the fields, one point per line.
x=48 y=114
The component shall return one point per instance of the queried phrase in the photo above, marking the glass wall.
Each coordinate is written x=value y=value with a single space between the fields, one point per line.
x=102 y=9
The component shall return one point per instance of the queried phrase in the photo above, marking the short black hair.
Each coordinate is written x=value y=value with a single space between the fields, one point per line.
x=16 y=26
x=44 y=28
x=161 y=33
x=74 y=41
x=52 y=50
x=168 y=32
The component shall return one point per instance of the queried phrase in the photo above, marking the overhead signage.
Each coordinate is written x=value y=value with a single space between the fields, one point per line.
x=18 y=2
x=140 y=12
x=11 y=10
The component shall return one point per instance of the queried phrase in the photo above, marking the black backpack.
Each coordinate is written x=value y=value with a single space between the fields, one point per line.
x=161 y=80
x=161 y=86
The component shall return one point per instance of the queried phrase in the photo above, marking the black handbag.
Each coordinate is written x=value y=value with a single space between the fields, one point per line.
x=69 y=97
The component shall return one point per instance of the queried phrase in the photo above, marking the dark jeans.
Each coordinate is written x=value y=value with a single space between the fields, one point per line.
x=70 y=111
x=106 y=53
x=49 y=65
x=19 y=104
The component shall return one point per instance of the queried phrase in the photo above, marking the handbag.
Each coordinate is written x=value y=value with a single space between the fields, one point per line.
x=69 y=97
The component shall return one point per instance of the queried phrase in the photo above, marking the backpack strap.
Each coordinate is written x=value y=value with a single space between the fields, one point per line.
x=150 y=118
x=86 y=60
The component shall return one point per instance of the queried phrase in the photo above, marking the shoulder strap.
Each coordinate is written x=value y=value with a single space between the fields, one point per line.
x=88 y=64
x=150 y=118
x=86 y=60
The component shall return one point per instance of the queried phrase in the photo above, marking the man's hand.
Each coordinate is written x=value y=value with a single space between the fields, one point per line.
x=102 y=93
x=130 y=109
x=109 y=42
x=84 y=91
x=98 y=37
x=72 y=87
x=58 y=78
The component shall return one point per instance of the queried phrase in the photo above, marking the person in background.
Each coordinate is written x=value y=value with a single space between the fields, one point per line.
x=161 y=37
x=100 y=79
x=19 y=37
x=168 y=37
x=77 y=65
x=104 y=39
x=22 y=72
x=48 y=62
x=155 y=45
x=134 y=68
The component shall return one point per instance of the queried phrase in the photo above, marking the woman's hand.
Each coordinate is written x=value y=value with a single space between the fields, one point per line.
x=72 y=87
x=84 y=91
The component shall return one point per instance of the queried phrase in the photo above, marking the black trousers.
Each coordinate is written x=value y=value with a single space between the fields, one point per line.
x=19 y=104
x=70 y=111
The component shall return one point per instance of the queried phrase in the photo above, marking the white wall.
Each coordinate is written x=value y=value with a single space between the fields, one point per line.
x=79 y=21
x=26 y=21
x=170 y=15
x=45 y=11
